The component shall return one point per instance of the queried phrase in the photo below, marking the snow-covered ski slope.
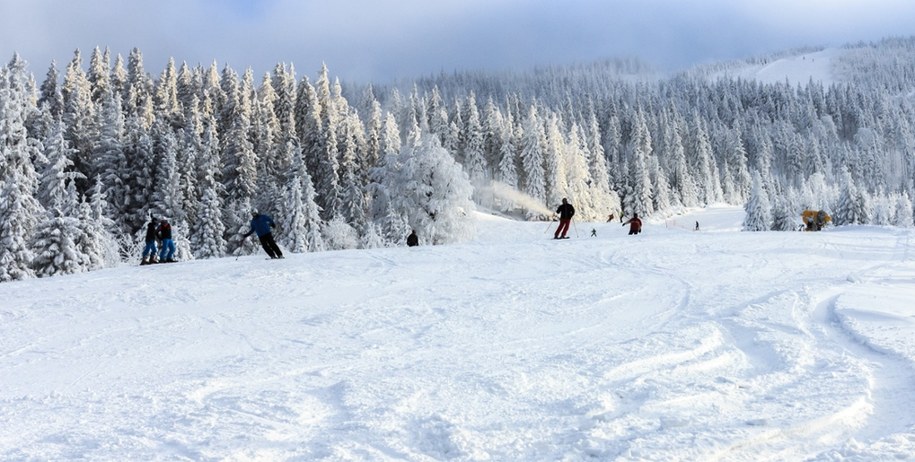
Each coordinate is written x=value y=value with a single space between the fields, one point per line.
x=670 y=345
x=796 y=70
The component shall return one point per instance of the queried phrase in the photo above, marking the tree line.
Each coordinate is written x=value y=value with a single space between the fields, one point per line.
x=89 y=155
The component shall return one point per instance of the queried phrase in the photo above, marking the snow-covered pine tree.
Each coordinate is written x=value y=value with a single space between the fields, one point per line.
x=371 y=236
x=439 y=125
x=381 y=175
x=79 y=117
x=704 y=168
x=54 y=242
x=737 y=179
x=884 y=209
x=611 y=140
x=55 y=248
x=139 y=177
x=109 y=157
x=326 y=177
x=533 y=175
x=168 y=201
x=138 y=86
x=20 y=211
x=473 y=146
x=353 y=209
x=758 y=208
x=681 y=178
x=166 y=96
x=266 y=128
x=853 y=207
x=99 y=75
x=284 y=104
x=433 y=192
x=100 y=236
x=555 y=162
x=578 y=177
x=118 y=79
x=604 y=200
x=661 y=199
x=493 y=122
x=57 y=169
x=638 y=200
x=507 y=172
x=904 y=211
x=300 y=220
x=50 y=95
x=508 y=166
x=208 y=231
x=374 y=129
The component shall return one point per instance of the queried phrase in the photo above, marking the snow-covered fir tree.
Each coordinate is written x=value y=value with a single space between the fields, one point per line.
x=20 y=211
x=301 y=221
x=207 y=236
x=904 y=211
x=533 y=177
x=433 y=192
x=758 y=208
x=853 y=205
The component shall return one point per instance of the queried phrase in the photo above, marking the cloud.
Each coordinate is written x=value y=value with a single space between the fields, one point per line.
x=378 y=40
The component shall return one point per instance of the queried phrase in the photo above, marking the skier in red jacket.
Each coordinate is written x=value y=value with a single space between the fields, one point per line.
x=635 y=224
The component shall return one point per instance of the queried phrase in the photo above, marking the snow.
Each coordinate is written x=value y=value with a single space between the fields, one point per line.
x=670 y=345
x=797 y=70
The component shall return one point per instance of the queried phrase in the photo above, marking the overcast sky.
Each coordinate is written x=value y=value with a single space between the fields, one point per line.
x=379 y=40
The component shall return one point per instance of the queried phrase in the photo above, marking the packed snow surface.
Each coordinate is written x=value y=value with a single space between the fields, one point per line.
x=796 y=70
x=671 y=345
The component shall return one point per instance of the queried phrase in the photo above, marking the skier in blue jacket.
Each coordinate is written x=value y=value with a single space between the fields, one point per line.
x=263 y=226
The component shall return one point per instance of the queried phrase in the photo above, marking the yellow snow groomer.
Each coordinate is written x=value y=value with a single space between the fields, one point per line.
x=815 y=220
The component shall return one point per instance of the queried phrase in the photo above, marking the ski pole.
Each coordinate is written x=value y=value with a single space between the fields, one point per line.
x=576 y=227
x=549 y=225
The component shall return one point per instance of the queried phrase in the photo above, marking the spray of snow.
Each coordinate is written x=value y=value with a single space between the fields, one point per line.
x=504 y=191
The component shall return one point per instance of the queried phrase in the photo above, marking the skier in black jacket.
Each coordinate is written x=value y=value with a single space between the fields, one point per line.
x=150 y=249
x=566 y=212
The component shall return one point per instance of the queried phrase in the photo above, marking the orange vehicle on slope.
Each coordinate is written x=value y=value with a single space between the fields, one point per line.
x=815 y=220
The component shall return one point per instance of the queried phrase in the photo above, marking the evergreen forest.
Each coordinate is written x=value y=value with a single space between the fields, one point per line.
x=90 y=152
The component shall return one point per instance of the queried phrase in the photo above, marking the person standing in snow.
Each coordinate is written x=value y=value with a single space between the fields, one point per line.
x=412 y=239
x=263 y=225
x=635 y=224
x=167 y=254
x=566 y=212
x=149 y=252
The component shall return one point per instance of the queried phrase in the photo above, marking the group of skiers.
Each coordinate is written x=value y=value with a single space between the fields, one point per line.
x=160 y=247
x=158 y=231
x=566 y=211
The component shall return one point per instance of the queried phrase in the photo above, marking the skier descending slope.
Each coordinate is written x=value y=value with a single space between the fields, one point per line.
x=635 y=224
x=263 y=226
x=566 y=212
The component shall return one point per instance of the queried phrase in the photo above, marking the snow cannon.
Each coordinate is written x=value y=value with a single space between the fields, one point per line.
x=815 y=220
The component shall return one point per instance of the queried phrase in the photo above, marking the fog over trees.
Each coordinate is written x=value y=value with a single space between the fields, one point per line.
x=94 y=148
